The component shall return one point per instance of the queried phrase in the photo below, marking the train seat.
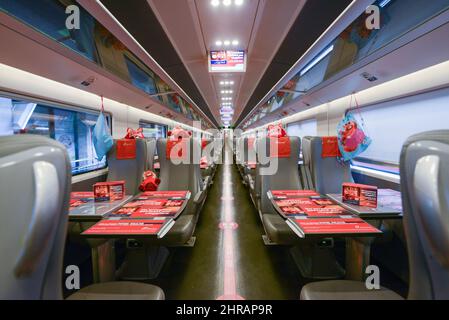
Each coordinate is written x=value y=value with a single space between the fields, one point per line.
x=424 y=170
x=325 y=174
x=345 y=290
x=286 y=177
x=249 y=161
x=146 y=260
x=32 y=269
x=151 y=153
x=130 y=170
x=119 y=290
x=211 y=158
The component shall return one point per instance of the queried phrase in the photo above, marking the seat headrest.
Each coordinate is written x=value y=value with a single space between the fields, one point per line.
x=426 y=174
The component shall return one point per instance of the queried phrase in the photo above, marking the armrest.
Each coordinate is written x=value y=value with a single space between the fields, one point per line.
x=199 y=197
x=206 y=182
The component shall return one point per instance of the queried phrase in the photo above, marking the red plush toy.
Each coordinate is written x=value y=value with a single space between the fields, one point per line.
x=179 y=133
x=352 y=136
x=276 y=131
x=134 y=134
x=150 y=182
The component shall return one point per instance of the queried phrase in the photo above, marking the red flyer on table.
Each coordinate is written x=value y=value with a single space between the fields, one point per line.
x=294 y=193
x=294 y=202
x=158 y=203
x=81 y=195
x=125 y=227
x=143 y=212
x=163 y=194
x=323 y=211
x=74 y=203
x=336 y=226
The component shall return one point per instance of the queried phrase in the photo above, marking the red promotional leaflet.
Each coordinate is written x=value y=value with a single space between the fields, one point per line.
x=360 y=194
x=109 y=191
x=163 y=194
x=336 y=226
x=284 y=194
x=153 y=203
x=125 y=227
x=311 y=207
x=79 y=198
x=81 y=195
x=325 y=211
x=149 y=212
x=149 y=208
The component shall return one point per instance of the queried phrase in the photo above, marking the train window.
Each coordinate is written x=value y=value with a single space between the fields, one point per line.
x=52 y=22
x=93 y=41
x=303 y=129
x=71 y=127
x=390 y=124
x=153 y=130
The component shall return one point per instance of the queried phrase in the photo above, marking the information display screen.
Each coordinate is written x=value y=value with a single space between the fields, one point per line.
x=227 y=61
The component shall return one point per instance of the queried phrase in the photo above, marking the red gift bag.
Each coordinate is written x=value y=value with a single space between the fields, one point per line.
x=330 y=147
x=280 y=147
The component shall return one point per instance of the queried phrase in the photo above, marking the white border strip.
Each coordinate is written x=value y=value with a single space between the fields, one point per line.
x=377 y=174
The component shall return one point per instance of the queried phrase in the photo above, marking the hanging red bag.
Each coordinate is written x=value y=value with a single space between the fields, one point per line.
x=126 y=149
x=330 y=147
x=279 y=142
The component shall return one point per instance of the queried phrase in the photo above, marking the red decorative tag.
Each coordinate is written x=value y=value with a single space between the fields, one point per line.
x=280 y=147
x=126 y=149
x=330 y=147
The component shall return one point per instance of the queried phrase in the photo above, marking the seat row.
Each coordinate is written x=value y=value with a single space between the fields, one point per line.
x=424 y=174
x=39 y=171
x=309 y=172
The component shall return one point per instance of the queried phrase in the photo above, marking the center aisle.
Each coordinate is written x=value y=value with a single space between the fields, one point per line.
x=250 y=270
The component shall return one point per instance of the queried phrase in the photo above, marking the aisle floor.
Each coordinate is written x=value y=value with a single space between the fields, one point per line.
x=210 y=270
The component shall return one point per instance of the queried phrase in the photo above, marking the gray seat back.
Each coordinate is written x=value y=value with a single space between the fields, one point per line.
x=326 y=174
x=35 y=182
x=249 y=152
x=183 y=176
x=151 y=153
x=286 y=177
x=129 y=170
x=239 y=151
x=425 y=191
x=209 y=153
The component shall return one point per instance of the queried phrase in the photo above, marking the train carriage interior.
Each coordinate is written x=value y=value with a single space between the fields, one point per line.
x=224 y=150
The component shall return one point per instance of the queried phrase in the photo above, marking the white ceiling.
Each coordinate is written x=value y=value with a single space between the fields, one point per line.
x=194 y=26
